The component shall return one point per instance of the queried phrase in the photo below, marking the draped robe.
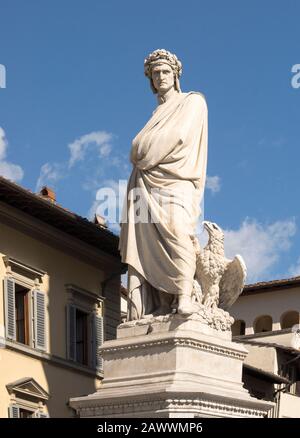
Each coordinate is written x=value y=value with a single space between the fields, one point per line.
x=164 y=192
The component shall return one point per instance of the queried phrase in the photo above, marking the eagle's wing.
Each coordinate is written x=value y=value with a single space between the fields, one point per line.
x=232 y=282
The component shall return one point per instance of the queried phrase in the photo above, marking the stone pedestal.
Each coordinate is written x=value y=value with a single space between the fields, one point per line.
x=171 y=367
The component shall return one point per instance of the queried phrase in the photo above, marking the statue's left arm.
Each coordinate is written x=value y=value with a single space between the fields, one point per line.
x=191 y=155
x=194 y=116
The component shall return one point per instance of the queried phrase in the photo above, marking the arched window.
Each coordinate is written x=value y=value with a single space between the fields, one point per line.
x=288 y=319
x=263 y=324
x=238 y=328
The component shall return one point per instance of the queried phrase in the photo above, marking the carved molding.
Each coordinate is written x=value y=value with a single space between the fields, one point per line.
x=179 y=342
x=216 y=407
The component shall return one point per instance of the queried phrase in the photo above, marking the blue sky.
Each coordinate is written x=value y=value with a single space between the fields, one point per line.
x=76 y=95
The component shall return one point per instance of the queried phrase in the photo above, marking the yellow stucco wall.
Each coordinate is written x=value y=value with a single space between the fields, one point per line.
x=59 y=382
x=61 y=268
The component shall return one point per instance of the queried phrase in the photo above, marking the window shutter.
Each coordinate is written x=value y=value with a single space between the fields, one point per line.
x=97 y=341
x=39 y=320
x=43 y=415
x=14 y=411
x=39 y=414
x=10 y=308
x=71 y=332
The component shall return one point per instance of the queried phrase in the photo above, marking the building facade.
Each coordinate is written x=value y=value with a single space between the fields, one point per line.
x=59 y=300
x=267 y=322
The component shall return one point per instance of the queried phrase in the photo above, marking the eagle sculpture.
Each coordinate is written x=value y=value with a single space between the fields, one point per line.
x=221 y=280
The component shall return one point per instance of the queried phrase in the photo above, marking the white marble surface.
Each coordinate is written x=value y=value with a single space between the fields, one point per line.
x=171 y=373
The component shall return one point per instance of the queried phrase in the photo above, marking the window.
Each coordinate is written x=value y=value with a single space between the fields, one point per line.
x=24 y=413
x=22 y=302
x=25 y=310
x=17 y=411
x=289 y=319
x=81 y=337
x=84 y=328
x=263 y=324
x=28 y=399
x=238 y=328
x=85 y=336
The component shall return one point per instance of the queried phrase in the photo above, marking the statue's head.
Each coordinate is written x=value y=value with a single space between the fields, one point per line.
x=163 y=69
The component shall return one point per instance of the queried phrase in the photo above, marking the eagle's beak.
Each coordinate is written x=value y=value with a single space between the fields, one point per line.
x=206 y=225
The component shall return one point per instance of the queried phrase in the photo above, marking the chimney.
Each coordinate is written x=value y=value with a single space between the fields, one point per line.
x=48 y=193
x=100 y=221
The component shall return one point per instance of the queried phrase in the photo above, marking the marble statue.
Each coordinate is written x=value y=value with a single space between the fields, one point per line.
x=174 y=356
x=169 y=168
x=167 y=271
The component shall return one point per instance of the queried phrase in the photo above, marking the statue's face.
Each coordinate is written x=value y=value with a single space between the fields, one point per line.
x=162 y=77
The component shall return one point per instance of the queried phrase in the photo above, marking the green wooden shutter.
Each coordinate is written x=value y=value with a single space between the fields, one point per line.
x=71 y=332
x=14 y=411
x=39 y=320
x=10 y=308
x=97 y=332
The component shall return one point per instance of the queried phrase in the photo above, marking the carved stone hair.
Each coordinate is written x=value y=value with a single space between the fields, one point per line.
x=163 y=56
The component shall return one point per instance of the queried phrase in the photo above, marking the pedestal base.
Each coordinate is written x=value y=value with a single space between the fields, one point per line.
x=171 y=367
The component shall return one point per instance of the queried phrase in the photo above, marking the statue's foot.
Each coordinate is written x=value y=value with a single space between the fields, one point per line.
x=185 y=305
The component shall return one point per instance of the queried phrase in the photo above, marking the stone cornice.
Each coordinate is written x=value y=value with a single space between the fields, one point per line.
x=179 y=342
x=216 y=408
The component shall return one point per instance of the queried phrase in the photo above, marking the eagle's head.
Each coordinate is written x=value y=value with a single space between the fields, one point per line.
x=214 y=231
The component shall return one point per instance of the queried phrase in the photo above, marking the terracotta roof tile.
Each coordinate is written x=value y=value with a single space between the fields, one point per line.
x=57 y=216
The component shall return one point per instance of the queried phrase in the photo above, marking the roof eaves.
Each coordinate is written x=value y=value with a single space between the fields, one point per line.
x=57 y=216
x=267 y=375
x=271 y=285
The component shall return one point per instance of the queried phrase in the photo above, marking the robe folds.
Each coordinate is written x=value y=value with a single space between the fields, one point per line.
x=164 y=192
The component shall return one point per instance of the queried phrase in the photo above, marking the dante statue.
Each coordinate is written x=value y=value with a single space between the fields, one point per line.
x=167 y=182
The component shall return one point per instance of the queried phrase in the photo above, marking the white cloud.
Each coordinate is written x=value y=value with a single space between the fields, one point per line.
x=105 y=150
x=79 y=147
x=213 y=183
x=11 y=171
x=294 y=270
x=8 y=170
x=260 y=245
x=50 y=174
